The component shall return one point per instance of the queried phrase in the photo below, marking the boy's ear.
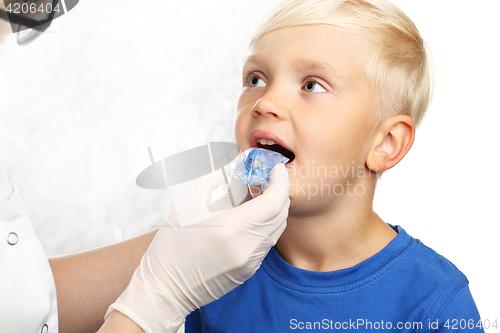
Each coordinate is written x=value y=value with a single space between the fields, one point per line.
x=390 y=143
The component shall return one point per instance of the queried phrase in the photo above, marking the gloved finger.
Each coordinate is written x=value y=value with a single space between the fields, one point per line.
x=279 y=175
x=274 y=203
x=271 y=226
x=237 y=190
x=261 y=216
x=200 y=188
x=278 y=189
x=233 y=194
x=273 y=239
x=213 y=180
x=191 y=207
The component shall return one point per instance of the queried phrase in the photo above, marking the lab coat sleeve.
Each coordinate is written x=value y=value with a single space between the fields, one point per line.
x=28 y=301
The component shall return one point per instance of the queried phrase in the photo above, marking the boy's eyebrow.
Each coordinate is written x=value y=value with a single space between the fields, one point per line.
x=300 y=64
x=255 y=58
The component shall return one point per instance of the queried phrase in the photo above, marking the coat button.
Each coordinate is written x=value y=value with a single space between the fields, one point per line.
x=45 y=328
x=12 y=238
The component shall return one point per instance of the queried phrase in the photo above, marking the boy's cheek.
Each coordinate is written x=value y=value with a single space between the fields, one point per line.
x=238 y=131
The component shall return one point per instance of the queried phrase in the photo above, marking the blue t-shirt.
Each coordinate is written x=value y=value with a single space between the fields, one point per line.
x=406 y=287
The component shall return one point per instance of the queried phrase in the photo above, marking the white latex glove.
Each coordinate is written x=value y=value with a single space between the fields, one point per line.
x=188 y=267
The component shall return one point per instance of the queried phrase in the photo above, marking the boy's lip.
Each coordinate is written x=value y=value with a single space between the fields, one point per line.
x=261 y=134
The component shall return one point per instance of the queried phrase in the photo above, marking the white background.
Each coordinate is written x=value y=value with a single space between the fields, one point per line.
x=80 y=105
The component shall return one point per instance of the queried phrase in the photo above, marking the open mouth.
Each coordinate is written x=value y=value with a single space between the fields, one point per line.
x=279 y=149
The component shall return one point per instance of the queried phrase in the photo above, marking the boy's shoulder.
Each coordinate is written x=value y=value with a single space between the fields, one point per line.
x=424 y=274
x=419 y=264
x=426 y=261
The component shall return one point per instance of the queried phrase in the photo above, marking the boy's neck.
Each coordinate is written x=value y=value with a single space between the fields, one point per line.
x=334 y=239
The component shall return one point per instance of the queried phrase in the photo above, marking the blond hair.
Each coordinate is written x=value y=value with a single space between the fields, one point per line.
x=399 y=66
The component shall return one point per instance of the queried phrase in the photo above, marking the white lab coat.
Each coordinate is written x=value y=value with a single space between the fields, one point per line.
x=28 y=301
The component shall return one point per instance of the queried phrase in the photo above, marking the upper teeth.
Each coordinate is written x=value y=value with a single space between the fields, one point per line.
x=265 y=142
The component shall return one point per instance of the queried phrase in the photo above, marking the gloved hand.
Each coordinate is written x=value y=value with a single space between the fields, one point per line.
x=190 y=265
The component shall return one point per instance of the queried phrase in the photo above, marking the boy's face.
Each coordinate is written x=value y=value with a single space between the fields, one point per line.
x=304 y=86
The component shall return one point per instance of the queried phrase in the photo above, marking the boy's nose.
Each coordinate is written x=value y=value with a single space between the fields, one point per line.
x=269 y=105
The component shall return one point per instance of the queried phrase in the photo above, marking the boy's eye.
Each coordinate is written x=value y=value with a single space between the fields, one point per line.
x=256 y=81
x=313 y=86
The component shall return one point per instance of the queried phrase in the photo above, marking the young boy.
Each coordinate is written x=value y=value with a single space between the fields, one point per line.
x=339 y=86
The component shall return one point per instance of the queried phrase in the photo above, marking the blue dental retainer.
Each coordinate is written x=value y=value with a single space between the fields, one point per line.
x=254 y=165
